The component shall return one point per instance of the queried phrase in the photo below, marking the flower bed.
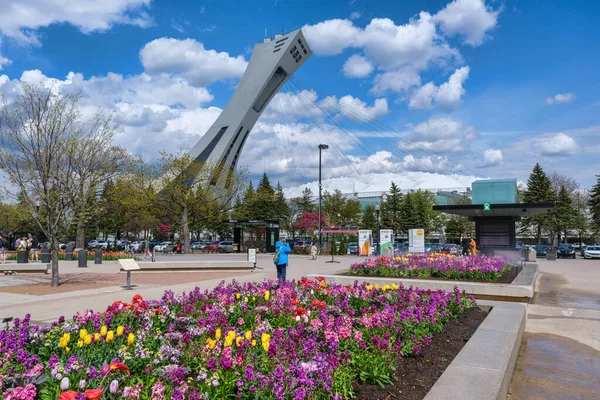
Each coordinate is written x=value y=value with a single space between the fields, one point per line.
x=305 y=340
x=435 y=265
x=106 y=255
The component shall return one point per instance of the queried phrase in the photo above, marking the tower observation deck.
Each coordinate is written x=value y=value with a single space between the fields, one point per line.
x=271 y=64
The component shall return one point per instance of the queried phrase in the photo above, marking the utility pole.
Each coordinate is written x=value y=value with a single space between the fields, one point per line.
x=321 y=148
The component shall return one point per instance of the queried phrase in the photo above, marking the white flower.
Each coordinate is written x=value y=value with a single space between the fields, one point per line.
x=65 y=384
x=297 y=318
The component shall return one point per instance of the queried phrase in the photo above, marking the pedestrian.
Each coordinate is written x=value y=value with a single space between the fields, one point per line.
x=473 y=246
x=179 y=247
x=147 y=249
x=465 y=243
x=17 y=243
x=281 y=259
x=3 y=246
x=313 y=251
x=34 y=250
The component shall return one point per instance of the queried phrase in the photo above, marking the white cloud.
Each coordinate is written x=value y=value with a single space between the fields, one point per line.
x=559 y=144
x=189 y=59
x=355 y=15
x=471 y=19
x=3 y=60
x=357 y=110
x=21 y=18
x=331 y=37
x=491 y=157
x=440 y=135
x=357 y=66
x=447 y=96
x=400 y=80
x=432 y=163
x=560 y=98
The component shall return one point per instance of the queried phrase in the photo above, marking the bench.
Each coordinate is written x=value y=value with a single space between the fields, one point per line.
x=26 y=268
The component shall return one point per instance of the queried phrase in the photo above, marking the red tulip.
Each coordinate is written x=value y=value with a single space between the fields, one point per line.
x=93 y=394
x=320 y=278
x=119 y=367
x=294 y=301
x=70 y=395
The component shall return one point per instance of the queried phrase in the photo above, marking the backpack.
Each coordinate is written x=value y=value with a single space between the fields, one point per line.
x=276 y=256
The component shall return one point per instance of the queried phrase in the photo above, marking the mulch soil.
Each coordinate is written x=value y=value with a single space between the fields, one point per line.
x=416 y=375
x=508 y=277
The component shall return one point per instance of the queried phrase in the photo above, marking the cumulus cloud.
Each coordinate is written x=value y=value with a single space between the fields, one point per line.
x=400 y=80
x=355 y=15
x=557 y=145
x=447 y=96
x=440 y=135
x=331 y=37
x=190 y=59
x=491 y=157
x=357 y=66
x=560 y=98
x=433 y=163
x=471 y=19
x=21 y=19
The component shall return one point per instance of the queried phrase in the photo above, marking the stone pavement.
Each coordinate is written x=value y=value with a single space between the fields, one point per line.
x=560 y=352
x=50 y=307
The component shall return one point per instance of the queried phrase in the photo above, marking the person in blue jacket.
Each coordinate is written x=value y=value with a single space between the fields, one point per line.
x=281 y=258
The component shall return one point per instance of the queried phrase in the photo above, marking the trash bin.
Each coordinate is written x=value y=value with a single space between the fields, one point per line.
x=98 y=256
x=82 y=259
x=45 y=255
x=69 y=253
x=531 y=256
x=22 y=257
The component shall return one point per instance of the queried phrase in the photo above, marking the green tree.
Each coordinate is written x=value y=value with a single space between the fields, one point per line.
x=539 y=190
x=563 y=213
x=306 y=202
x=407 y=214
x=594 y=205
x=369 y=218
x=391 y=210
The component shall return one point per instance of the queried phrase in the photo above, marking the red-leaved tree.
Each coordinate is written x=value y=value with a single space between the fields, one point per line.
x=308 y=223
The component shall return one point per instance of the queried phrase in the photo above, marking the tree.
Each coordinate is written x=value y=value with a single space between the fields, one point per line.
x=407 y=214
x=339 y=210
x=594 y=205
x=563 y=213
x=306 y=202
x=539 y=190
x=369 y=218
x=391 y=209
x=308 y=223
x=38 y=131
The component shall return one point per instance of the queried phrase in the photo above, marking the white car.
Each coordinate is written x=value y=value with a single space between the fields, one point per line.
x=161 y=246
x=592 y=252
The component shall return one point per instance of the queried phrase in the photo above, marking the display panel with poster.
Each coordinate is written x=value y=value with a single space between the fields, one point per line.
x=416 y=241
x=364 y=243
x=385 y=247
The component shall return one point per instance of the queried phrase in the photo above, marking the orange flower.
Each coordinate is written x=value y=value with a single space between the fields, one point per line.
x=119 y=367
x=93 y=394
x=70 y=395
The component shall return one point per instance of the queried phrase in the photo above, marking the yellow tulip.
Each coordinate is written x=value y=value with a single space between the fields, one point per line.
x=62 y=343
x=246 y=299
x=80 y=343
x=211 y=343
x=237 y=296
x=253 y=298
x=96 y=336
x=228 y=341
x=110 y=336
x=68 y=337
x=253 y=343
x=385 y=287
x=67 y=350
x=248 y=335
x=231 y=334
x=239 y=340
x=267 y=294
x=265 y=345
x=130 y=339
x=87 y=339
x=120 y=330
x=394 y=286
x=103 y=330
x=218 y=333
x=265 y=337
x=376 y=286
x=124 y=349
x=369 y=287
x=82 y=333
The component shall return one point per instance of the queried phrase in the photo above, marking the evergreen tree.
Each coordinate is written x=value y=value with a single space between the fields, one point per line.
x=306 y=202
x=391 y=209
x=563 y=213
x=244 y=207
x=264 y=205
x=407 y=214
x=594 y=205
x=342 y=249
x=351 y=213
x=369 y=219
x=539 y=190
x=333 y=204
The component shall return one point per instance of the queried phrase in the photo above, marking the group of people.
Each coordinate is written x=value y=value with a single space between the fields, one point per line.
x=26 y=243
x=469 y=246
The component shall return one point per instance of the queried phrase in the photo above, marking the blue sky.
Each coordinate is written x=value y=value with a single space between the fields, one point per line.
x=463 y=87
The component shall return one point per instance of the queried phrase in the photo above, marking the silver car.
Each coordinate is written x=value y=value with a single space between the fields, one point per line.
x=226 y=246
x=592 y=252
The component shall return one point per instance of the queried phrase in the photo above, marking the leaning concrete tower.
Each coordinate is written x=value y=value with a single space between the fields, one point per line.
x=271 y=64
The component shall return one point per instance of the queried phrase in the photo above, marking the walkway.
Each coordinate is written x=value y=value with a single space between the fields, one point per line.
x=560 y=352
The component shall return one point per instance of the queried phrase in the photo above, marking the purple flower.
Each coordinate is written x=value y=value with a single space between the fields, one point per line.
x=65 y=384
x=114 y=386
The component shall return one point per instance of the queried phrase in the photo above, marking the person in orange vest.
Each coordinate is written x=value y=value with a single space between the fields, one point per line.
x=473 y=246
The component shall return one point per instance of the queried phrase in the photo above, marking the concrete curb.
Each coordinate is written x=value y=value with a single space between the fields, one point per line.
x=174 y=266
x=484 y=367
x=27 y=268
x=521 y=289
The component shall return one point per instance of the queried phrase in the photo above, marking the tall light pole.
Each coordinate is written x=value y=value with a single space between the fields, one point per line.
x=321 y=148
x=378 y=238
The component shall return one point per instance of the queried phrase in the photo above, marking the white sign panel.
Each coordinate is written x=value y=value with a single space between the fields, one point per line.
x=252 y=255
x=385 y=247
x=364 y=243
x=416 y=241
x=129 y=264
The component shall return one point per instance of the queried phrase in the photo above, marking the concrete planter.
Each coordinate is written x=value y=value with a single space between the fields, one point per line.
x=45 y=256
x=551 y=256
x=22 y=257
x=98 y=256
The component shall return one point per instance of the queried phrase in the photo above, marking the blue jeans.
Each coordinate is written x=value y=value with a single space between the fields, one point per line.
x=281 y=271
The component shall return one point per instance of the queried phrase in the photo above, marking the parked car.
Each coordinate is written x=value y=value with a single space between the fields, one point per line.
x=161 y=246
x=451 y=248
x=226 y=246
x=565 y=251
x=578 y=245
x=400 y=248
x=540 y=250
x=592 y=252
x=518 y=245
x=352 y=248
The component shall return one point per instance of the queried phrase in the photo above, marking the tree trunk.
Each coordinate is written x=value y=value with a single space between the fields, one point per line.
x=80 y=239
x=539 y=233
x=54 y=258
x=186 y=230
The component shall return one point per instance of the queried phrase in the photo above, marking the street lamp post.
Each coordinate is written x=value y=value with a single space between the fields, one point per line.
x=321 y=148
x=378 y=238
